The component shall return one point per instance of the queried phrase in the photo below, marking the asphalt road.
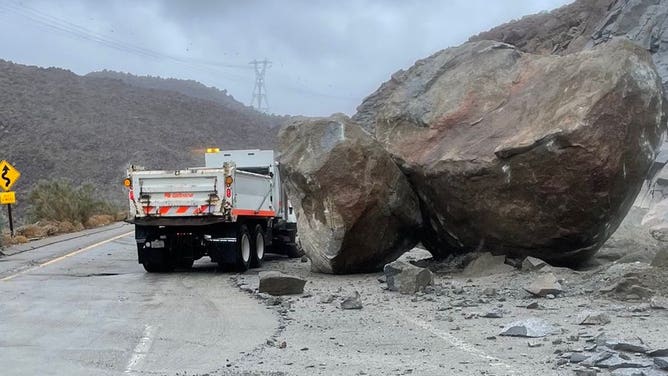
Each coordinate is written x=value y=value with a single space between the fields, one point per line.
x=81 y=305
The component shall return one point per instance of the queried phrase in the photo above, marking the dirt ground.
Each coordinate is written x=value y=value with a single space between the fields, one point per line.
x=443 y=329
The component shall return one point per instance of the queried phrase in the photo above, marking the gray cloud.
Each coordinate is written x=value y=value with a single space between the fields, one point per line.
x=327 y=55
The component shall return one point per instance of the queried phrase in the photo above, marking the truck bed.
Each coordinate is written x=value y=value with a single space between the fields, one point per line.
x=200 y=192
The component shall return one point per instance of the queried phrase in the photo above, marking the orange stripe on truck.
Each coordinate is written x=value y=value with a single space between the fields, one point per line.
x=254 y=213
x=164 y=210
x=182 y=209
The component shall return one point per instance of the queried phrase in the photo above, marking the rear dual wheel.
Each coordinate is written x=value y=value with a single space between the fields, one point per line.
x=243 y=249
x=250 y=247
x=258 y=247
x=157 y=267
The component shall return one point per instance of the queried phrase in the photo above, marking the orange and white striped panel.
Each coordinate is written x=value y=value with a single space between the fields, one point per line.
x=177 y=211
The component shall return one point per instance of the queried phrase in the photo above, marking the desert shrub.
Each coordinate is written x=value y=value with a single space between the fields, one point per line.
x=98 y=220
x=31 y=231
x=60 y=201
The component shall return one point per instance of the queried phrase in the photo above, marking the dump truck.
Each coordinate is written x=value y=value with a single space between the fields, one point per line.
x=233 y=209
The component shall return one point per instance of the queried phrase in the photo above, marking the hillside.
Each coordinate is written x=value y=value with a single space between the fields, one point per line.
x=193 y=89
x=54 y=123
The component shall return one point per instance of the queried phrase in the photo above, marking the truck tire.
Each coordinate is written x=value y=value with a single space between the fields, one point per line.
x=258 y=247
x=156 y=267
x=243 y=249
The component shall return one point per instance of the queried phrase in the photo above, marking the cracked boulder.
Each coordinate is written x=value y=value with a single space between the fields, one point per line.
x=521 y=154
x=355 y=210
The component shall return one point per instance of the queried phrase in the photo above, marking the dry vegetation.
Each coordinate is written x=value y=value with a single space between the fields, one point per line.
x=58 y=207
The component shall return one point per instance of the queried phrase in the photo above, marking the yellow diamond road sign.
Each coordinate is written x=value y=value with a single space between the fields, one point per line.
x=8 y=175
x=7 y=198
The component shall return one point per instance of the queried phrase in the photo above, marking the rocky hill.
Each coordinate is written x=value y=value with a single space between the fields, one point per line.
x=54 y=123
x=193 y=89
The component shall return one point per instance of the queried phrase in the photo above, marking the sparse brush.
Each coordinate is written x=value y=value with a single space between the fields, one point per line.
x=60 y=201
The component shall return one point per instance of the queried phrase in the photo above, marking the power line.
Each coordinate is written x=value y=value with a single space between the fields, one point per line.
x=76 y=31
x=82 y=33
x=260 y=91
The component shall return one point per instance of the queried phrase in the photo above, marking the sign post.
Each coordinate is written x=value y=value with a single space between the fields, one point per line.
x=8 y=176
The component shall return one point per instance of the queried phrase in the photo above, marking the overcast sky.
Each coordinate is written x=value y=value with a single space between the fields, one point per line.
x=326 y=55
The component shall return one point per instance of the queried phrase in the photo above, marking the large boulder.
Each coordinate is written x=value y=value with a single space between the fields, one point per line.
x=355 y=209
x=518 y=153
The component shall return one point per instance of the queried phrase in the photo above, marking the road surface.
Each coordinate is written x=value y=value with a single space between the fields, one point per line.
x=81 y=305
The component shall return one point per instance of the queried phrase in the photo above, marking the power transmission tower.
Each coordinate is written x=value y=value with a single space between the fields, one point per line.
x=260 y=91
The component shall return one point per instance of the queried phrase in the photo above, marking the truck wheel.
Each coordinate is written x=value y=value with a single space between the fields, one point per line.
x=243 y=249
x=258 y=247
x=156 y=267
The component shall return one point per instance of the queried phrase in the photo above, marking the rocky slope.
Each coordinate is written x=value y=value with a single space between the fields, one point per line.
x=586 y=23
x=55 y=124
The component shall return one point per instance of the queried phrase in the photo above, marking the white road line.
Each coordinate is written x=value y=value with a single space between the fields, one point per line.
x=66 y=256
x=141 y=350
x=460 y=344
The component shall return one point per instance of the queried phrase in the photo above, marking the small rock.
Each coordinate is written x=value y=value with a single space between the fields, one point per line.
x=628 y=372
x=531 y=327
x=277 y=283
x=407 y=278
x=661 y=362
x=273 y=301
x=626 y=346
x=616 y=361
x=585 y=372
x=457 y=290
x=282 y=345
x=534 y=305
x=641 y=291
x=661 y=258
x=545 y=284
x=495 y=313
x=640 y=308
x=263 y=296
x=578 y=357
x=534 y=344
x=532 y=263
x=382 y=279
x=353 y=301
x=304 y=259
x=658 y=303
x=594 y=318
x=489 y=291
x=326 y=299
x=487 y=264
x=629 y=288
x=596 y=358
x=557 y=341
x=658 y=353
